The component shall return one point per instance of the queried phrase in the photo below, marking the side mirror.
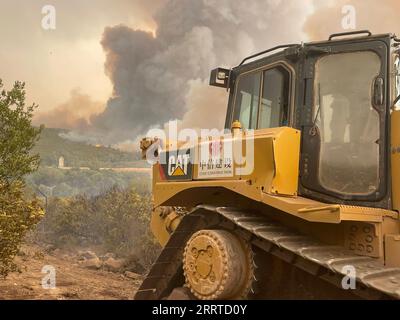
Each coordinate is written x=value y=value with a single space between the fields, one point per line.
x=220 y=78
x=379 y=95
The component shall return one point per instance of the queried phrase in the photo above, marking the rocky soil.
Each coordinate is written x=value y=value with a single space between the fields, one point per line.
x=78 y=275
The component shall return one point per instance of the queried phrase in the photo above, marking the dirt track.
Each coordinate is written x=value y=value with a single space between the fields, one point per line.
x=72 y=280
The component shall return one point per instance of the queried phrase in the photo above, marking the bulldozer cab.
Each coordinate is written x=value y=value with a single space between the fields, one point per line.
x=339 y=93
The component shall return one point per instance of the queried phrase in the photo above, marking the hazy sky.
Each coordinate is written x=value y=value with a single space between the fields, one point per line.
x=55 y=62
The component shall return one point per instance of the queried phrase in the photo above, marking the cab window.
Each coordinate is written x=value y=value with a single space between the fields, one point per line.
x=247 y=100
x=272 y=109
x=274 y=102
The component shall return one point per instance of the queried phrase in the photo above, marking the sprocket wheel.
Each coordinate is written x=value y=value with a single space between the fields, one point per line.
x=217 y=264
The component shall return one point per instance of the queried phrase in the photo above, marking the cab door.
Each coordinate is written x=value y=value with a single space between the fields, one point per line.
x=344 y=123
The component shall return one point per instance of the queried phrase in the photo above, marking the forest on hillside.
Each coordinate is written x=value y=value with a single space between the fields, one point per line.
x=53 y=145
x=50 y=181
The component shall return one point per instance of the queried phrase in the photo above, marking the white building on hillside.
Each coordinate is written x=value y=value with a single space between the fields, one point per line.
x=61 y=163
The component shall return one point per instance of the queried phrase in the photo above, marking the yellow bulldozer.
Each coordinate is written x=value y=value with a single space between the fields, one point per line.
x=312 y=209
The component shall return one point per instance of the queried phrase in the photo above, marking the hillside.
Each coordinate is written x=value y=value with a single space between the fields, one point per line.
x=51 y=181
x=52 y=146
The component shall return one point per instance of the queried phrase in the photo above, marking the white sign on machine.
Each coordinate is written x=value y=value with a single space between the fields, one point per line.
x=215 y=159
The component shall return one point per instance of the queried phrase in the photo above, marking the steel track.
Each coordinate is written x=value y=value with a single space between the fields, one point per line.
x=374 y=280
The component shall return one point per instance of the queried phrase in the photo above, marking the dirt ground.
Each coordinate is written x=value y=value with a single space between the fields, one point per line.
x=72 y=280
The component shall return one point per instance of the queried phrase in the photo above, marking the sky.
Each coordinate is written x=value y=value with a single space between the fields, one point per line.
x=54 y=63
x=111 y=70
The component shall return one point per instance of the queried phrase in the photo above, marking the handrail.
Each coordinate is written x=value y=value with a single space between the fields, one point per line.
x=267 y=51
x=349 y=34
x=295 y=44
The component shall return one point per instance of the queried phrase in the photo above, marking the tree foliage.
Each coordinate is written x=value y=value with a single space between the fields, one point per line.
x=17 y=135
x=17 y=216
x=17 y=138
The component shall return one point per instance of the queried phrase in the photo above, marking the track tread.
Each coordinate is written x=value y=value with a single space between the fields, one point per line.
x=370 y=272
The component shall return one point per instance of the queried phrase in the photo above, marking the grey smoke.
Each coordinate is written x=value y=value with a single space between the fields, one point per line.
x=153 y=76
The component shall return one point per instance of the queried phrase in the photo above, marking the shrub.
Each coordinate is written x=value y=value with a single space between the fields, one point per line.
x=116 y=221
x=17 y=217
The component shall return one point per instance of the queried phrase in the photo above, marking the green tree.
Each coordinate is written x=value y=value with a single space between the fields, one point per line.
x=17 y=135
x=17 y=138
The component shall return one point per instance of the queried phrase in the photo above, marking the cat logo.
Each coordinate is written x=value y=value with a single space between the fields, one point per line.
x=178 y=166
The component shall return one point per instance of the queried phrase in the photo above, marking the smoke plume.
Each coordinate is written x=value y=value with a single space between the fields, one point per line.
x=73 y=114
x=161 y=77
